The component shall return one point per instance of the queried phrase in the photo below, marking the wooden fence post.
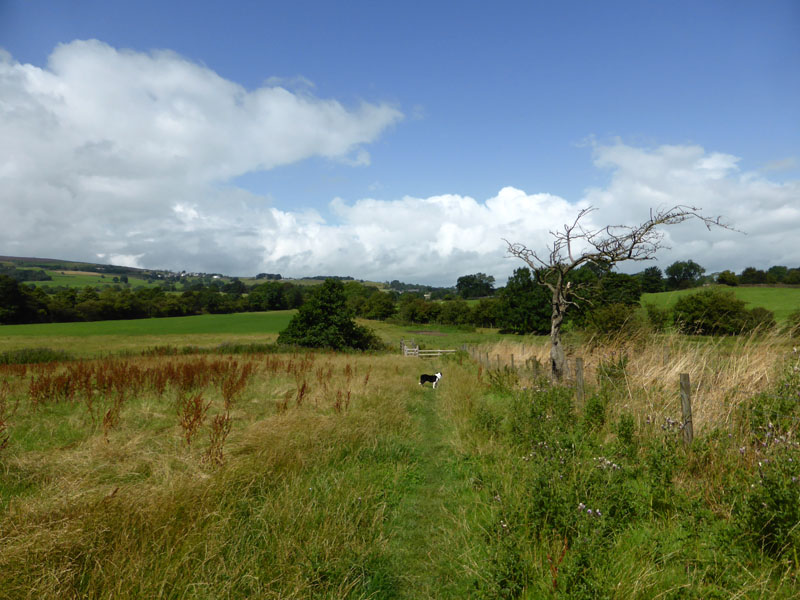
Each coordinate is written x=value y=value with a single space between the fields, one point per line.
x=579 y=380
x=686 y=409
x=512 y=362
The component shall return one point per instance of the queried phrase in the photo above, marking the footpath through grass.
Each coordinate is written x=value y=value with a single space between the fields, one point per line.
x=425 y=539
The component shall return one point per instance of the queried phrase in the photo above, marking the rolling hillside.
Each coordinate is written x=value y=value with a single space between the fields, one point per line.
x=781 y=300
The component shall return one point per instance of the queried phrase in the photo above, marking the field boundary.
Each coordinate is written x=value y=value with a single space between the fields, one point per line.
x=412 y=349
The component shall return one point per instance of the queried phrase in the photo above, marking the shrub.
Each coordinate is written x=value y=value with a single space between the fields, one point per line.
x=324 y=321
x=718 y=312
x=660 y=318
x=615 y=319
x=760 y=318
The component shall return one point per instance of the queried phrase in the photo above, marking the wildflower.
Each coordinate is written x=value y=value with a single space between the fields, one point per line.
x=581 y=506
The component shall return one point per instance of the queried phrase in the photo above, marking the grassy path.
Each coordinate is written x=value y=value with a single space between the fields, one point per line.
x=427 y=533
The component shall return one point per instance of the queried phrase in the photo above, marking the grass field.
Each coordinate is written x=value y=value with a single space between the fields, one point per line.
x=103 y=337
x=322 y=475
x=81 y=279
x=780 y=300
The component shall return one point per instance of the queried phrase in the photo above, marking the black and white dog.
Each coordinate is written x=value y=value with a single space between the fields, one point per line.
x=434 y=379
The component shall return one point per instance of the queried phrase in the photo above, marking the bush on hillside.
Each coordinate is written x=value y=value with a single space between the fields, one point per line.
x=760 y=318
x=719 y=312
x=616 y=319
x=324 y=321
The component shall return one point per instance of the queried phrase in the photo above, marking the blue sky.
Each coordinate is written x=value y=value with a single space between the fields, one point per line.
x=393 y=140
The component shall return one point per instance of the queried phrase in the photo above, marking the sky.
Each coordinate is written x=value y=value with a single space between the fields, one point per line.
x=394 y=140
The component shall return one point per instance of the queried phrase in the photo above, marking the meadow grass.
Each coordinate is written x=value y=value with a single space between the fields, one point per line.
x=299 y=474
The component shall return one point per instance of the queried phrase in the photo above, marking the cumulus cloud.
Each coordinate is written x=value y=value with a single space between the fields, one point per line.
x=99 y=147
x=766 y=211
x=128 y=157
x=439 y=238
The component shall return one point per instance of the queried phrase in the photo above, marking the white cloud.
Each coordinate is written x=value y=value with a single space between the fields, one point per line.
x=128 y=156
x=439 y=238
x=105 y=149
x=766 y=211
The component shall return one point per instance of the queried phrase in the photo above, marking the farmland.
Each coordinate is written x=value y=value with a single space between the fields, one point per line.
x=146 y=469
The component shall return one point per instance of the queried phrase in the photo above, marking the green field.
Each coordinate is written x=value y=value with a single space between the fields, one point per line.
x=82 y=279
x=237 y=323
x=103 y=337
x=780 y=300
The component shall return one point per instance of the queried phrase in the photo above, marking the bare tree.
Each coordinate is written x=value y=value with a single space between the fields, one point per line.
x=575 y=246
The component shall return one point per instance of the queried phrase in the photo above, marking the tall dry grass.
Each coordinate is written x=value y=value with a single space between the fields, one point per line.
x=201 y=482
x=723 y=371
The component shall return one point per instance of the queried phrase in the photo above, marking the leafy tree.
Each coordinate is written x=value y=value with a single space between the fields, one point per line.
x=751 y=275
x=652 y=280
x=267 y=296
x=777 y=273
x=605 y=246
x=792 y=277
x=475 y=286
x=413 y=308
x=683 y=274
x=619 y=288
x=523 y=305
x=16 y=306
x=235 y=286
x=324 y=321
x=486 y=312
x=454 y=312
x=379 y=306
x=727 y=278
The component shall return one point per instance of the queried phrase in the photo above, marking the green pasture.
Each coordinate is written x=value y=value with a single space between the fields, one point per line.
x=100 y=337
x=780 y=300
x=257 y=322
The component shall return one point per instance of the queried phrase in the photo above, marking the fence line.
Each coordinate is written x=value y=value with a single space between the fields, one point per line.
x=412 y=349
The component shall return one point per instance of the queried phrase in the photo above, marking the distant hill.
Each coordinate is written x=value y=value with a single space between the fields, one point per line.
x=55 y=264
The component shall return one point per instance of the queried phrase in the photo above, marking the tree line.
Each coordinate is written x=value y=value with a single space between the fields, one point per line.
x=521 y=306
x=21 y=303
